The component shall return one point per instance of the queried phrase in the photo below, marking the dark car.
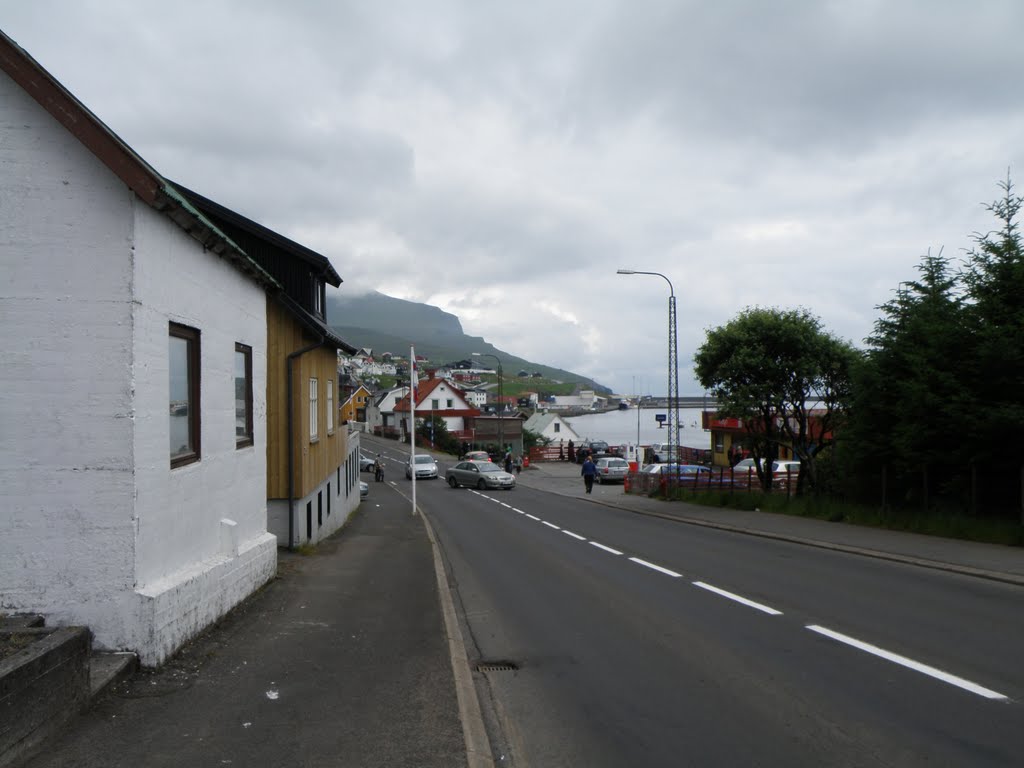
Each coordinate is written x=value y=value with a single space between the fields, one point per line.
x=593 y=449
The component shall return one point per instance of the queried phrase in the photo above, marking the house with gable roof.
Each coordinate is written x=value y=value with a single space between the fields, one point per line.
x=438 y=397
x=551 y=426
x=312 y=459
x=133 y=379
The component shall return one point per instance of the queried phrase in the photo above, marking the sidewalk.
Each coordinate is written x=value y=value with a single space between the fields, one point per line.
x=342 y=660
x=990 y=561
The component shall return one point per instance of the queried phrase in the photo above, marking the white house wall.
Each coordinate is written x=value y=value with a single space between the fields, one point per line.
x=66 y=469
x=98 y=530
x=202 y=541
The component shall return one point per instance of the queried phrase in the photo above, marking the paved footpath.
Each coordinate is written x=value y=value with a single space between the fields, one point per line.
x=991 y=561
x=340 y=661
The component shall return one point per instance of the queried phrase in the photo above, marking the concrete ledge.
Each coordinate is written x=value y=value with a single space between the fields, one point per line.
x=42 y=685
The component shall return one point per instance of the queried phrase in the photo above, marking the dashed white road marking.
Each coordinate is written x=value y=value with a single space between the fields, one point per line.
x=666 y=571
x=750 y=603
x=917 y=666
x=533 y=517
x=551 y=525
x=574 y=535
x=606 y=549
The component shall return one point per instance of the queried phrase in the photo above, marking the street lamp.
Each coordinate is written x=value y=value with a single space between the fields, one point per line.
x=501 y=398
x=673 y=370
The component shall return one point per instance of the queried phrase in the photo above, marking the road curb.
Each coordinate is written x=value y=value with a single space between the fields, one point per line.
x=478 y=745
x=938 y=565
x=965 y=570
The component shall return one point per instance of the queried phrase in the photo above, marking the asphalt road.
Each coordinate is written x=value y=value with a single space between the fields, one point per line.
x=639 y=641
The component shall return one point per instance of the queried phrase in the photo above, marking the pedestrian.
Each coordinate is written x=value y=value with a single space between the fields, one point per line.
x=508 y=462
x=378 y=469
x=572 y=453
x=517 y=463
x=561 y=451
x=589 y=471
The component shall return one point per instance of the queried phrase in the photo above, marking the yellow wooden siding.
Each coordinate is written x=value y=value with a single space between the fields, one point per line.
x=313 y=461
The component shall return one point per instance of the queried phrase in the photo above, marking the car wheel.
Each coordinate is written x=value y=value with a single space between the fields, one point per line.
x=481 y=485
x=453 y=482
x=599 y=480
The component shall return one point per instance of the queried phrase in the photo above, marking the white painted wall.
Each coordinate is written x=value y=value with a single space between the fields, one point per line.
x=66 y=418
x=98 y=530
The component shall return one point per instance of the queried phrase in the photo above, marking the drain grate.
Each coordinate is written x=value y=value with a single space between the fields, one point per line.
x=497 y=666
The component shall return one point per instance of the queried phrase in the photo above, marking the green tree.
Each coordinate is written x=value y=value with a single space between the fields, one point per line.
x=433 y=431
x=908 y=413
x=994 y=281
x=784 y=377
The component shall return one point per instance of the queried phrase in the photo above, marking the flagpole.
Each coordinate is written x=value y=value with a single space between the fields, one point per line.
x=412 y=422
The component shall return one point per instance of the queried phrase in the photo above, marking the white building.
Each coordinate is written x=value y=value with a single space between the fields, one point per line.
x=134 y=480
x=551 y=426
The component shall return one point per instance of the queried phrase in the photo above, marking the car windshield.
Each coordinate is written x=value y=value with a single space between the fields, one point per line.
x=490 y=467
x=424 y=459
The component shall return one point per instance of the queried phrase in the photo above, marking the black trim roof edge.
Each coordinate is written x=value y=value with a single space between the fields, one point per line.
x=313 y=325
x=297 y=249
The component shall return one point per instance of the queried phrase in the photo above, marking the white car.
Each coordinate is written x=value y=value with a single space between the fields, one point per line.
x=426 y=467
x=364 y=490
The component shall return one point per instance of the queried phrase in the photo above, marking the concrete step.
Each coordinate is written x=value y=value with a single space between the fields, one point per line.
x=108 y=669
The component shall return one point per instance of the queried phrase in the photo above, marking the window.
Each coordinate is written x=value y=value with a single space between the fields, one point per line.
x=558 y=427
x=243 y=396
x=451 y=402
x=435 y=404
x=330 y=407
x=314 y=427
x=318 y=297
x=183 y=373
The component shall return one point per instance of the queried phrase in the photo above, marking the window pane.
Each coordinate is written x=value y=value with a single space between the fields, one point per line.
x=313 y=426
x=180 y=405
x=243 y=394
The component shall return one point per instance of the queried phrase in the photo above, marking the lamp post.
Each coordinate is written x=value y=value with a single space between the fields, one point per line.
x=673 y=371
x=501 y=398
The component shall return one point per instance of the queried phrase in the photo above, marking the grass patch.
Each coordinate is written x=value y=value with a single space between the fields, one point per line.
x=945 y=524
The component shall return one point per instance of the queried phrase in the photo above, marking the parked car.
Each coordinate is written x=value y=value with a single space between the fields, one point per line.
x=611 y=469
x=364 y=489
x=683 y=470
x=660 y=452
x=480 y=474
x=426 y=467
x=366 y=463
x=593 y=449
x=477 y=456
x=785 y=473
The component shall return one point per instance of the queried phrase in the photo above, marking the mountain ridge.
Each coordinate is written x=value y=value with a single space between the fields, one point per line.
x=386 y=324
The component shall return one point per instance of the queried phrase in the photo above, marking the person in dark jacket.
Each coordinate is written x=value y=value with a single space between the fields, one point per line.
x=589 y=472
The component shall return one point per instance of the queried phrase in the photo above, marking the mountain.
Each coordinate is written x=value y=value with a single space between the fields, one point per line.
x=387 y=324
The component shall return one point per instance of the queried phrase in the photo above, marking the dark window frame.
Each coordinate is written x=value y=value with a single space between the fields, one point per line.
x=248 y=439
x=191 y=336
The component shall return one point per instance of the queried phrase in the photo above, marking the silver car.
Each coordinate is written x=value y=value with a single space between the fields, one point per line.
x=481 y=475
x=426 y=467
x=364 y=490
x=611 y=469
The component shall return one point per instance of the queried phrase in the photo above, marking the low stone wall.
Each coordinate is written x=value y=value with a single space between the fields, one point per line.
x=42 y=684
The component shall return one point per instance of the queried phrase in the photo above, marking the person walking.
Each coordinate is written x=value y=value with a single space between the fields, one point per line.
x=589 y=471
x=378 y=469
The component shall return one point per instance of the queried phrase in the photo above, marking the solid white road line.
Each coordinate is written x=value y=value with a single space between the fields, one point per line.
x=938 y=674
x=737 y=598
x=666 y=571
x=574 y=535
x=551 y=525
x=517 y=510
x=532 y=517
x=606 y=549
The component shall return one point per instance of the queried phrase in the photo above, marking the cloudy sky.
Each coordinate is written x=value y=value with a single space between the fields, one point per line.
x=501 y=160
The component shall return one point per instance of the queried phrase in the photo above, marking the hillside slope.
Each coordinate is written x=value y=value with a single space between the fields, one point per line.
x=386 y=324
